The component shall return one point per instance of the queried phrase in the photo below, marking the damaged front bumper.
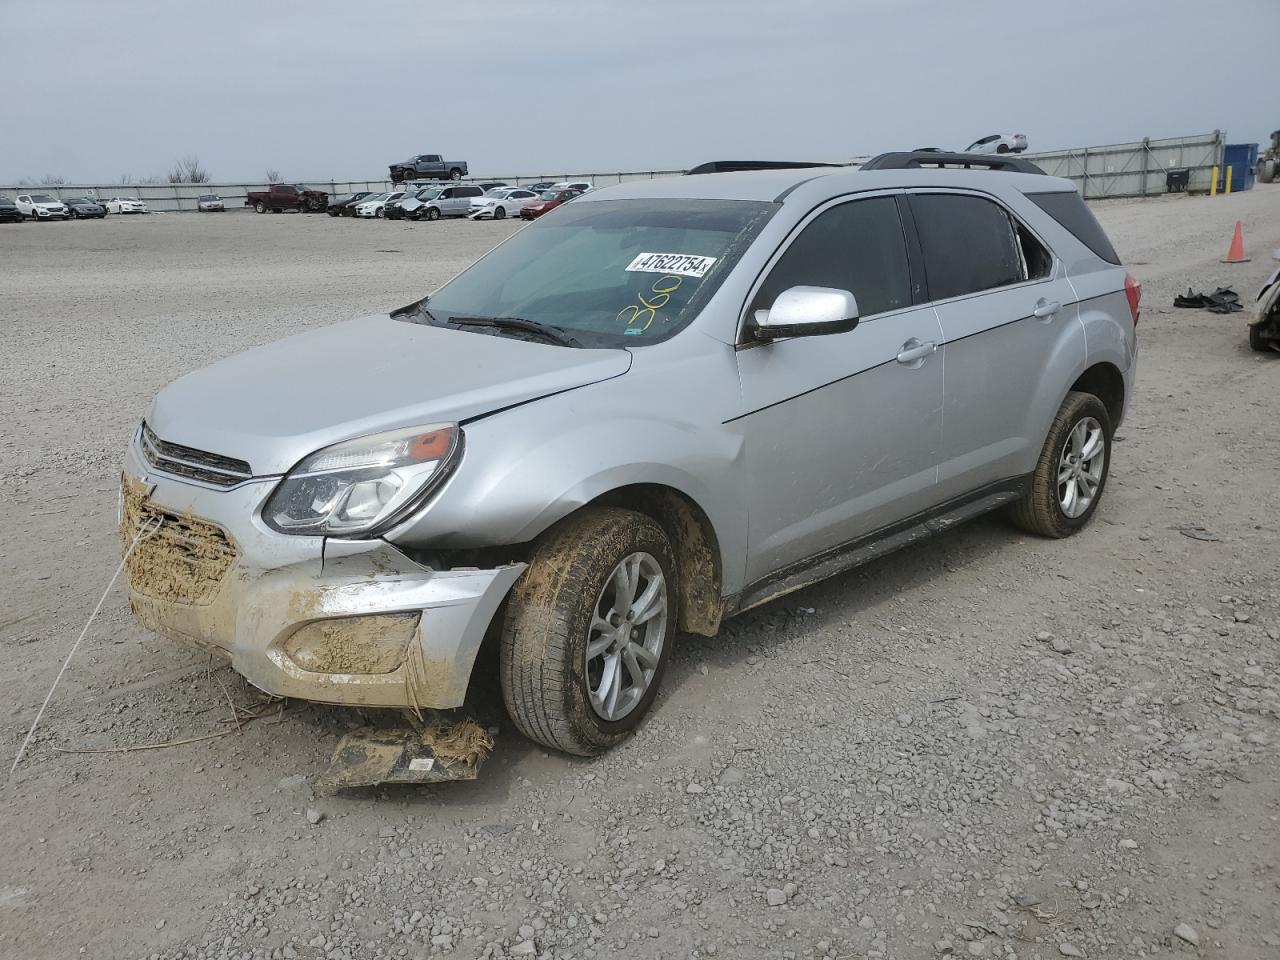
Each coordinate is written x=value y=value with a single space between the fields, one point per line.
x=335 y=621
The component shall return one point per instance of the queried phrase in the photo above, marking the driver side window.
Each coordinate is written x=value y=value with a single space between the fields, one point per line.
x=857 y=246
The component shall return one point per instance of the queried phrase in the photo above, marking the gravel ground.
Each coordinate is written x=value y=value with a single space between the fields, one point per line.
x=986 y=745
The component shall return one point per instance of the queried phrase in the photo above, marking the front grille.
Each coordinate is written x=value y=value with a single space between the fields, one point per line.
x=177 y=558
x=173 y=458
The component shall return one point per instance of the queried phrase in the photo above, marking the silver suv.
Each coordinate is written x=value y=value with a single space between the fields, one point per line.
x=659 y=406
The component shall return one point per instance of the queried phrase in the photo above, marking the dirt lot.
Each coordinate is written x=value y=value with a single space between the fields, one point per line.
x=992 y=744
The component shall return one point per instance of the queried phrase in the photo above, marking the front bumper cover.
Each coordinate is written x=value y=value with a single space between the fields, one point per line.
x=268 y=591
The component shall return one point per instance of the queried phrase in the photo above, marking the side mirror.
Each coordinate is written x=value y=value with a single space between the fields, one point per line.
x=807 y=312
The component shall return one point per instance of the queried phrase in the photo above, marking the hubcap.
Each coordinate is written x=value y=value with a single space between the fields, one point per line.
x=628 y=630
x=1084 y=457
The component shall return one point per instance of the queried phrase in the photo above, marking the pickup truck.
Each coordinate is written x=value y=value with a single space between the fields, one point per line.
x=428 y=166
x=286 y=196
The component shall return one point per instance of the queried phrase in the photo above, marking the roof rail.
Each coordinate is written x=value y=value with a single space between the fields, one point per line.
x=917 y=159
x=735 y=166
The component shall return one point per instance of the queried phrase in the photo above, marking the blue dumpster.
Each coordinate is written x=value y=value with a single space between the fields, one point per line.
x=1242 y=158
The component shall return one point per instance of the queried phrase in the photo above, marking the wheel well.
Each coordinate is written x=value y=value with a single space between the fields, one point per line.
x=694 y=543
x=1106 y=383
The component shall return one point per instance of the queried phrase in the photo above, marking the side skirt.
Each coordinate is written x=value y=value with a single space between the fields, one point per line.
x=877 y=544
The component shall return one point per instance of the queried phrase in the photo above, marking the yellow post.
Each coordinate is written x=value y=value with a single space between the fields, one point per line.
x=1228 y=190
x=1213 y=187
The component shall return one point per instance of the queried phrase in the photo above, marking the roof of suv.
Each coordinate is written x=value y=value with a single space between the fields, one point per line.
x=775 y=185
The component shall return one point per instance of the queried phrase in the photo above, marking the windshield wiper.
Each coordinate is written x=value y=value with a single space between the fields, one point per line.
x=545 y=330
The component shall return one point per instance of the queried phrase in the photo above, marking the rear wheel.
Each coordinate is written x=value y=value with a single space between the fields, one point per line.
x=260 y=207
x=1267 y=171
x=588 y=631
x=455 y=174
x=1071 y=473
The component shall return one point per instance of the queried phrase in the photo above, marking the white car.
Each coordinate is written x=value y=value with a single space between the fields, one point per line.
x=41 y=206
x=583 y=185
x=500 y=202
x=999 y=143
x=125 y=205
x=376 y=205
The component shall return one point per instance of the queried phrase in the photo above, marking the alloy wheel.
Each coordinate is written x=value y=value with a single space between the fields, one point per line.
x=627 y=634
x=1080 y=466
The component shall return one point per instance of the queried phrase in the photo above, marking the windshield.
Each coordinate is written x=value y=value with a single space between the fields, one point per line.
x=77 y=200
x=376 y=197
x=210 y=196
x=548 y=194
x=611 y=273
x=430 y=194
x=499 y=192
x=42 y=198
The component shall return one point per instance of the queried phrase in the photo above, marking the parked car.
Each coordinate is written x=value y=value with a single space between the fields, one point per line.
x=500 y=203
x=398 y=209
x=41 y=206
x=85 y=208
x=452 y=201
x=999 y=143
x=210 y=203
x=124 y=205
x=582 y=186
x=540 y=186
x=428 y=165
x=287 y=196
x=412 y=206
x=487 y=185
x=375 y=206
x=547 y=201
x=9 y=212
x=519 y=458
x=344 y=206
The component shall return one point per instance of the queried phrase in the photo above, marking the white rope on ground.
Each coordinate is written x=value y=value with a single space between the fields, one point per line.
x=148 y=528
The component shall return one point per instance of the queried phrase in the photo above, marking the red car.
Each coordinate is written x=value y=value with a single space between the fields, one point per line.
x=547 y=201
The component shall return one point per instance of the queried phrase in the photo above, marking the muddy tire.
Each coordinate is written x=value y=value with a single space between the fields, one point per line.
x=1267 y=171
x=565 y=607
x=1076 y=457
x=1257 y=341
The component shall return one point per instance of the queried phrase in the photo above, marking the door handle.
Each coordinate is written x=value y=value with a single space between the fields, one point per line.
x=1045 y=309
x=913 y=350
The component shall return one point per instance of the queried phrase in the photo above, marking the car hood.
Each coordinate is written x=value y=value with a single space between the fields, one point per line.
x=275 y=404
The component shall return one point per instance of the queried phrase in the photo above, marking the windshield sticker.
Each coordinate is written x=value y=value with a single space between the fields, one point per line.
x=639 y=316
x=683 y=264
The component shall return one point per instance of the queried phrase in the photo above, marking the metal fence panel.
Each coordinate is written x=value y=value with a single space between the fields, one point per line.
x=1135 y=169
x=1116 y=170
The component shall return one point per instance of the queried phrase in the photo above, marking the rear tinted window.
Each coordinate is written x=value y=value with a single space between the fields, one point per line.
x=856 y=246
x=1069 y=209
x=967 y=242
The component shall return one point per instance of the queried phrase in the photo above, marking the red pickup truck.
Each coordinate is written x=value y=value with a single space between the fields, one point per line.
x=287 y=196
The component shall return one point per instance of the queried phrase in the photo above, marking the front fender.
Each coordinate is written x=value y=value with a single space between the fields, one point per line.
x=529 y=467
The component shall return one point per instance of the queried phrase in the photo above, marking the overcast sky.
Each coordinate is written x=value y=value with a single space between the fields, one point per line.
x=92 y=89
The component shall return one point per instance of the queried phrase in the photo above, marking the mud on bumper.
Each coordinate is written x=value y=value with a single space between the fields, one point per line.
x=371 y=627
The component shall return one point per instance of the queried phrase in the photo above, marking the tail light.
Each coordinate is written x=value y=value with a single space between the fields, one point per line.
x=1133 y=293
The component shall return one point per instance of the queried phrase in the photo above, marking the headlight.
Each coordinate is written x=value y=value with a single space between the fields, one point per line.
x=356 y=486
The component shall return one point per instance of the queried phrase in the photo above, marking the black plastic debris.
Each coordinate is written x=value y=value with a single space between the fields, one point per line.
x=1222 y=300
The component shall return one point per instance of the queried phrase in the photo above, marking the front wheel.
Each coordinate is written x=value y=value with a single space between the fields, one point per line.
x=433 y=214
x=499 y=212
x=588 y=631
x=260 y=207
x=1071 y=473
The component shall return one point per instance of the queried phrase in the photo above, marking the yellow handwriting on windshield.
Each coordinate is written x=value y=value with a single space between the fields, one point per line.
x=638 y=317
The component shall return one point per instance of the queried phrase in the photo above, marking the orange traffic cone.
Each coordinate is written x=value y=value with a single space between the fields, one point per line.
x=1236 y=252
